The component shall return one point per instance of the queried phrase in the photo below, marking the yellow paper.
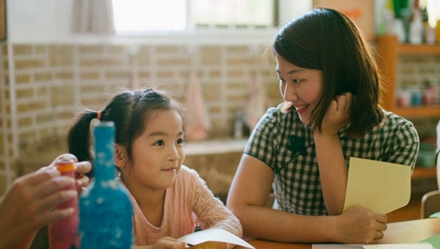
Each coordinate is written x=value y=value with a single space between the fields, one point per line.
x=214 y=235
x=379 y=186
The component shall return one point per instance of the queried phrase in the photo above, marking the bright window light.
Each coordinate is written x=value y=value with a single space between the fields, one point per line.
x=150 y=15
x=234 y=12
x=140 y=16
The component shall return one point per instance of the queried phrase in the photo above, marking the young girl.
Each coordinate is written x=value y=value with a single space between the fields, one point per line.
x=170 y=200
x=331 y=89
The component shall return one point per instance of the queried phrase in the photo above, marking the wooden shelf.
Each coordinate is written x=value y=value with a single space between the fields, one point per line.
x=388 y=51
x=424 y=172
x=418 y=112
x=418 y=49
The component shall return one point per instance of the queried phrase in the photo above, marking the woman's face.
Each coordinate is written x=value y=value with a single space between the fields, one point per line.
x=157 y=153
x=302 y=87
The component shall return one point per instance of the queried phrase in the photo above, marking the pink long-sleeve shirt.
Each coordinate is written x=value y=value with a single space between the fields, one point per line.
x=188 y=203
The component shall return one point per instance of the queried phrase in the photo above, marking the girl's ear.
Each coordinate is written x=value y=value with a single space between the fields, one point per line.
x=120 y=156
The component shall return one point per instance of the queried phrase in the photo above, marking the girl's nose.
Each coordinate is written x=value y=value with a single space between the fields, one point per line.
x=174 y=154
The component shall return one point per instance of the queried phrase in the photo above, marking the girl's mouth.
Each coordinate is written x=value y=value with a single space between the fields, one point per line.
x=173 y=169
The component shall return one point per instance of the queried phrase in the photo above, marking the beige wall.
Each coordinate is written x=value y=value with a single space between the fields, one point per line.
x=51 y=82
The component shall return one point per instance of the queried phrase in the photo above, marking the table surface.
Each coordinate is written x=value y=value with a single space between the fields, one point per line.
x=398 y=232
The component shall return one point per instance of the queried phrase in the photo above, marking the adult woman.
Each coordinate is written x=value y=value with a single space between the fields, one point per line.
x=331 y=85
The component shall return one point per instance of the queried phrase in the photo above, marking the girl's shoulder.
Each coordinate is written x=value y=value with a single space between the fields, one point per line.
x=187 y=175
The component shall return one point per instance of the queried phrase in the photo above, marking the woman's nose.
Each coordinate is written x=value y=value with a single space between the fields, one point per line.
x=288 y=92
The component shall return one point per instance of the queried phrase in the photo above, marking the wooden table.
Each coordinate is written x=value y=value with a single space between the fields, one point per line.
x=398 y=232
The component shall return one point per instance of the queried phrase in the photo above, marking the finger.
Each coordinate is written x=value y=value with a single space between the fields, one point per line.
x=382 y=218
x=83 y=167
x=82 y=181
x=57 y=215
x=381 y=227
x=349 y=101
x=52 y=186
x=378 y=235
x=52 y=201
x=66 y=156
x=341 y=101
x=38 y=177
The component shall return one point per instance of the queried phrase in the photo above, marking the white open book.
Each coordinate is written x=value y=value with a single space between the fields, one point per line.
x=214 y=235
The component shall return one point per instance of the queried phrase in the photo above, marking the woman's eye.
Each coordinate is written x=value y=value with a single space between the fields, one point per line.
x=296 y=80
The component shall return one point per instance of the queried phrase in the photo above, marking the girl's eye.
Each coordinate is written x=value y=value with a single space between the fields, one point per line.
x=180 y=141
x=296 y=80
x=160 y=143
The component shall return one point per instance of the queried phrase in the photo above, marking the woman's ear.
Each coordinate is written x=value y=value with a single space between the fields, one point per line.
x=120 y=156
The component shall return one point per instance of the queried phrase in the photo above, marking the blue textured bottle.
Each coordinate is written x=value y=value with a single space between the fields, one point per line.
x=105 y=209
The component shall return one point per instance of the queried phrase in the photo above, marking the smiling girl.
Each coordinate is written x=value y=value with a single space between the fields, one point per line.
x=170 y=200
x=300 y=150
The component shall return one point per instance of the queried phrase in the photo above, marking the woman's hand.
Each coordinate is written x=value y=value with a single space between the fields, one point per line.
x=28 y=205
x=81 y=168
x=337 y=115
x=358 y=225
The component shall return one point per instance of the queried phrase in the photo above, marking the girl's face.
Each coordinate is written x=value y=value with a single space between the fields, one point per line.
x=158 y=153
x=302 y=87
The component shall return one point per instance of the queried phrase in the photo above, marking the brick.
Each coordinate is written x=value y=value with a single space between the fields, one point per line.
x=64 y=75
x=211 y=55
x=40 y=49
x=91 y=102
x=29 y=64
x=25 y=93
x=91 y=50
x=214 y=74
x=99 y=62
x=172 y=62
x=235 y=73
x=239 y=61
x=62 y=95
x=238 y=50
x=168 y=49
x=116 y=49
x=31 y=106
x=25 y=122
x=22 y=78
x=89 y=76
x=117 y=75
x=20 y=50
x=165 y=74
x=91 y=88
x=43 y=76
x=41 y=91
x=144 y=75
x=44 y=118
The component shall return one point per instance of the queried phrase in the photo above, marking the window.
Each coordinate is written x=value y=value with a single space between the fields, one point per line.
x=131 y=16
x=140 y=16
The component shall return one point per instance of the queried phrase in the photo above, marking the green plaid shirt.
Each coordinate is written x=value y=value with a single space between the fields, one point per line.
x=296 y=185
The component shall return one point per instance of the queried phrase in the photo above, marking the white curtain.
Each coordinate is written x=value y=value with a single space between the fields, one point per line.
x=93 y=16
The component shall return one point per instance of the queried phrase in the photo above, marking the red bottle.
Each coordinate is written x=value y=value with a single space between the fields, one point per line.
x=64 y=233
